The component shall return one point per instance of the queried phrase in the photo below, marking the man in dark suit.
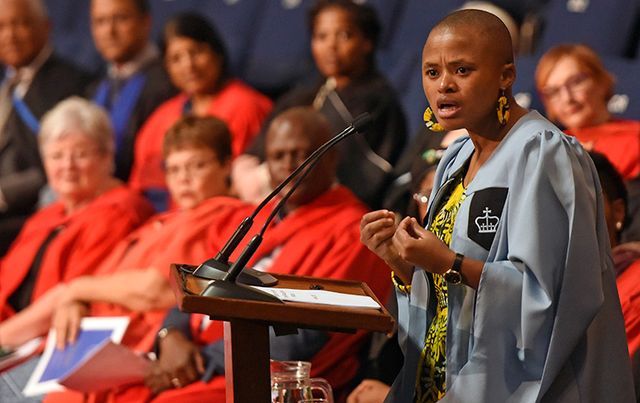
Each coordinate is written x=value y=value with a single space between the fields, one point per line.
x=135 y=82
x=35 y=79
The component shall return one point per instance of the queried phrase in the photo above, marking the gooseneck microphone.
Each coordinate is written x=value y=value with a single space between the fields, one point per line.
x=224 y=276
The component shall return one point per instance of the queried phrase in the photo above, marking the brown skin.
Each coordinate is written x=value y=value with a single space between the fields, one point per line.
x=120 y=31
x=195 y=69
x=339 y=48
x=179 y=358
x=467 y=59
x=291 y=138
x=23 y=33
x=614 y=212
x=369 y=391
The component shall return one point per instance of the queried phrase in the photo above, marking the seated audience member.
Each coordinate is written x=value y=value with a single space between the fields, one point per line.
x=197 y=63
x=427 y=147
x=626 y=256
x=134 y=276
x=422 y=175
x=315 y=235
x=34 y=80
x=94 y=210
x=344 y=39
x=135 y=82
x=632 y=229
x=133 y=279
x=575 y=88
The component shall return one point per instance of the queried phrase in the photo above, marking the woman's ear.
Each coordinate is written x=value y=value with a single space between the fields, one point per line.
x=508 y=75
x=619 y=212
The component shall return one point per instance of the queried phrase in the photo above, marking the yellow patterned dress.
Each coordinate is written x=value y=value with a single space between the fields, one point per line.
x=431 y=379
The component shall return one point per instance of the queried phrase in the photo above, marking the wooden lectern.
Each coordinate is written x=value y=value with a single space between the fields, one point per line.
x=246 y=328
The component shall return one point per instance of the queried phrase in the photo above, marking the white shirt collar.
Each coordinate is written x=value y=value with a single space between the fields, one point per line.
x=128 y=69
x=26 y=73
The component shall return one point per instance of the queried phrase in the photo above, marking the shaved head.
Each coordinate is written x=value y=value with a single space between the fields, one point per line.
x=293 y=136
x=484 y=29
x=467 y=65
x=306 y=120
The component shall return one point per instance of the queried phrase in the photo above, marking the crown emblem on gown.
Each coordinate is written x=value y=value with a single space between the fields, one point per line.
x=487 y=223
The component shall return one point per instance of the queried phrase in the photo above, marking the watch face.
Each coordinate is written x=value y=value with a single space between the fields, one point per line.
x=452 y=276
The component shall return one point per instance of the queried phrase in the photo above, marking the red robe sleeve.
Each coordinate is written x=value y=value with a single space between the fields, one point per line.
x=87 y=238
x=93 y=237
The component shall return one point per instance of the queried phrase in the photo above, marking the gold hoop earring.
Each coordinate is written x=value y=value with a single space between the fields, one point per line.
x=430 y=121
x=503 y=108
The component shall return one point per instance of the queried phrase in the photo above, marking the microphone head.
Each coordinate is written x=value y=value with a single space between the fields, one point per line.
x=362 y=122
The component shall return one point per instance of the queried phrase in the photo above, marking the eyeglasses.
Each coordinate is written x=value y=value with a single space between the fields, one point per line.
x=574 y=84
x=194 y=168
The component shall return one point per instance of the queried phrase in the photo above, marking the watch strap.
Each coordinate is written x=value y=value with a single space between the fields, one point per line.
x=457 y=263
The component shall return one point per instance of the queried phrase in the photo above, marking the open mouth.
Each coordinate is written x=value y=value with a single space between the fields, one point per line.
x=447 y=109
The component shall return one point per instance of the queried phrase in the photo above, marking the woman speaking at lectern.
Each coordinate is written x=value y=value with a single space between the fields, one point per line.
x=507 y=293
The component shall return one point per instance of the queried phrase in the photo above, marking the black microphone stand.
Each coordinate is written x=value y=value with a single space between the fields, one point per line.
x=226 y=286
x=217 y=267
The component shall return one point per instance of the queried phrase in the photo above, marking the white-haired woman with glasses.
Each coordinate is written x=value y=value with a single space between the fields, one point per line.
x=94 y=210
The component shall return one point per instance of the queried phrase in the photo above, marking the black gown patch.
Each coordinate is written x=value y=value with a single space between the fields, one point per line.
x=484 y=215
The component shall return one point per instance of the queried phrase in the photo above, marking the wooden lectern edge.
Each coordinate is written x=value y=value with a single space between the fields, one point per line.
x=282 y=315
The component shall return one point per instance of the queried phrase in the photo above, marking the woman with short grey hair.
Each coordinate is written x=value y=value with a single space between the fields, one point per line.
x=71 y=236
x=79 y=115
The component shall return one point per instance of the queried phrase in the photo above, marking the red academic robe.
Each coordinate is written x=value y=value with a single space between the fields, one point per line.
x=241 y=107
x=175 y=237
x=618 y=140
x=189 y=236
x=321 y=239
x=628 y=283
x=87 y=238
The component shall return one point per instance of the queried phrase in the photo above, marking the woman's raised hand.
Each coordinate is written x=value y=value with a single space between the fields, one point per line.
x=376 y=232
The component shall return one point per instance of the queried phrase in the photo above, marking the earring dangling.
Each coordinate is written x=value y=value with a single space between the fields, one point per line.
x=503 y=108
x=619 y=225
x=430 y=121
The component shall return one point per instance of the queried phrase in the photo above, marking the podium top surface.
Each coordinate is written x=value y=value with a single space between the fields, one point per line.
x=187 y=289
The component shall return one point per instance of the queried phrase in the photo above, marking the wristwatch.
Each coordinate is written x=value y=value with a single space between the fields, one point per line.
x=453 y=276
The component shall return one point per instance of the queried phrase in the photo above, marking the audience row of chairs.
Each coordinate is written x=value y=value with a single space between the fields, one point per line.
x=268 y=41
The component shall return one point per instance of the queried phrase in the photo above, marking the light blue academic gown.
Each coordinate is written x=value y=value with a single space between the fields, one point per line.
x=545 y=323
